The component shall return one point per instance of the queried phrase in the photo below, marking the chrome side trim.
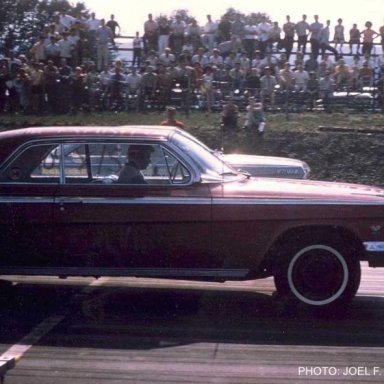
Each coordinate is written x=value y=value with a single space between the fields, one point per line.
x=108 y=200
x=26 y=199
x=256 y=201
x=185 y=201
x=138 y=272
x=145 y=200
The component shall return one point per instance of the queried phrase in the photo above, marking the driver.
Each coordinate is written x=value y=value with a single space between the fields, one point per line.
x=139 y=157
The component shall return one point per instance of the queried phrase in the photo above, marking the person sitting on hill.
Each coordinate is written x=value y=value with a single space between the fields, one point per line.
x=171 y=120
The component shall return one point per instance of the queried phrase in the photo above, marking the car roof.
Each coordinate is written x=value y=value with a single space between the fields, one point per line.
x=145 y=131
x=10 y=140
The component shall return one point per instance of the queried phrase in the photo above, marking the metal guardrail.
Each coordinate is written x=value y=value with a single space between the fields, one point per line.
x=308 y=50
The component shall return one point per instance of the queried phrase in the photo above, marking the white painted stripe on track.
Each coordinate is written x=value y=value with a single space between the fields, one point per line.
x=27 y=342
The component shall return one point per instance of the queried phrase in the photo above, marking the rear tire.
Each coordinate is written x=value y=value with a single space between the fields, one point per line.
x=319 y=273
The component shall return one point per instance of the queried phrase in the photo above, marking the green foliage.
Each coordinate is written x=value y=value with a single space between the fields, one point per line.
x=22 y=21
x=184 y=13
x=231 y=12
x=255 y=16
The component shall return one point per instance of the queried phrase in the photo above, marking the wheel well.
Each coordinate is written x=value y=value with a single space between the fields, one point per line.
x=339 y=234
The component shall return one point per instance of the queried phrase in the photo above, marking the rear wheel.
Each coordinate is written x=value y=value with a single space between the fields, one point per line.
x=319 y=273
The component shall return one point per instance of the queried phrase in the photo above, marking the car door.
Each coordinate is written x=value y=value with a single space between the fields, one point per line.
x=159 y=228
x=27 y=190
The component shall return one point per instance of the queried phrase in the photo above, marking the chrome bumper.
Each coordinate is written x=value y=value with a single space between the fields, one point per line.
x=374 y=251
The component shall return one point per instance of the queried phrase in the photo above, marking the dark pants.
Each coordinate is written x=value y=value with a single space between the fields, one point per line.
x=250 y=45
x=326 y=47
x=229 y=123
x=288 y=45
x=263 y=45
x=136 y=57
x=150 y=42
x=367 y=48
x=315 y=47
x=302 y=43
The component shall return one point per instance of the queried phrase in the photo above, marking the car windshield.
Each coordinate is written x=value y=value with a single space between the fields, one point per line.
x=209 y=165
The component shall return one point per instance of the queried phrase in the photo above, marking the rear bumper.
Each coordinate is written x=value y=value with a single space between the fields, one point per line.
x=374 y=251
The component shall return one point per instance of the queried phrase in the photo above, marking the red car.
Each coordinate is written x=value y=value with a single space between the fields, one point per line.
x=152 y=202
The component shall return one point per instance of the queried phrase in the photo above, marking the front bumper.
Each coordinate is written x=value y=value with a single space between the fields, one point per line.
x=374 y=251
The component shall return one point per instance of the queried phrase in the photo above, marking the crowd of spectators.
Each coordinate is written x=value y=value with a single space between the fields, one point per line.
x=70 y=68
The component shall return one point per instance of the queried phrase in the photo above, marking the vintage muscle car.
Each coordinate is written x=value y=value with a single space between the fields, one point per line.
x=179 y=212
x=263 y=166
x=268 y=166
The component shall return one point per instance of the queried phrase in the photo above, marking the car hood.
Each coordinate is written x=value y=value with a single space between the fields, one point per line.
x=241 y=159
x=269 y=166
x=269 y=188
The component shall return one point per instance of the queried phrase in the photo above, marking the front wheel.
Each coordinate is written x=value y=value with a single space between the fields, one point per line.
x=320 y=274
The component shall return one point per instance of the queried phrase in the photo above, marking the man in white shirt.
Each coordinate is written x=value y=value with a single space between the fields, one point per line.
x=167 y=57
x=209 y=37
x=263 y=29
x=301 y=78
x=250 y=37
x=302 y=29
x=215 y=59
x=65 y=48
x=150 y=37
x=66 y=20
x=133 y=82
x=92 y=25
x=103 y=37
x=315 y=29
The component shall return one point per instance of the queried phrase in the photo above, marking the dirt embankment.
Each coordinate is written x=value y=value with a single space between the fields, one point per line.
x=352 y=157
x=333 y=156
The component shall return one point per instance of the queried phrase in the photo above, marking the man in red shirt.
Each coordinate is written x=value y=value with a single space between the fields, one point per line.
x=171 y=121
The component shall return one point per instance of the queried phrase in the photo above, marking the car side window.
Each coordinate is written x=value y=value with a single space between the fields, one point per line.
x=99 y=163
x=119 y=163
x=178 y=173
x=152 y=164
x=35 y=164
x=75 y=162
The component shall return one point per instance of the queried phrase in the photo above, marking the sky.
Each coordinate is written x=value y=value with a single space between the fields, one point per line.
x=132 y=14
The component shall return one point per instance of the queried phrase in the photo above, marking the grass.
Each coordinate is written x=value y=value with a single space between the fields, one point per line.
x=302 y=122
